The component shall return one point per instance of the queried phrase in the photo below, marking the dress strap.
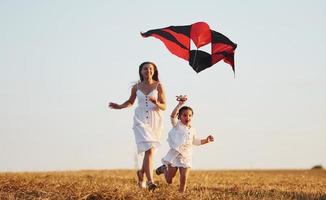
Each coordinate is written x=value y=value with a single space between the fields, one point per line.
x=137 y=86
x=158 y=83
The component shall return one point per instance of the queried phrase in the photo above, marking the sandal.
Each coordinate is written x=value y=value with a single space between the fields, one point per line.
x=151 y=186
x=160 y=170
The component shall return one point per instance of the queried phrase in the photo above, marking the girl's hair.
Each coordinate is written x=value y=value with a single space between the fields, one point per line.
x=155 y=76
x=184 y=108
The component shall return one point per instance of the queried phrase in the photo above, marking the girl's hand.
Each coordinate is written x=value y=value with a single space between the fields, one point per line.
x=182 y=98
x=114 y=106
x=210 y=138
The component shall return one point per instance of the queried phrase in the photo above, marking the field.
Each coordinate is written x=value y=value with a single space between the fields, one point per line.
x=121 y=184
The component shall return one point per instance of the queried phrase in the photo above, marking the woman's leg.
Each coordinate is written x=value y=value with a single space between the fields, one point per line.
x=147 y=167
x=140 y=175
x=184 y=172
x=170 y=173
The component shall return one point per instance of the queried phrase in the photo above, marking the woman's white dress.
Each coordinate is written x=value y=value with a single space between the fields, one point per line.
x=180 y=139
x=148 y=123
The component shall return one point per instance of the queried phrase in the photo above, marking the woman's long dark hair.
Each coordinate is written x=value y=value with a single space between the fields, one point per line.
x=155 y=75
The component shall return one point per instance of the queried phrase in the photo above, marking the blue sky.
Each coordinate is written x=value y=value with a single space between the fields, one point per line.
x=61 y=62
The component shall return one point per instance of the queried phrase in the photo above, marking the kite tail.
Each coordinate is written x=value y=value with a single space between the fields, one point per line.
x=233 y=71
x=232 y=65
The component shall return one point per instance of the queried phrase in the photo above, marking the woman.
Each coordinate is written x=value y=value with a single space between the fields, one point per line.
x=148 y=123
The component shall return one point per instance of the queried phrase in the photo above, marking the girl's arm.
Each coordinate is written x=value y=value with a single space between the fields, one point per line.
x=160 y=101
x=181 y=99
x=208 y=139
x=176 y=109
x=127 y=103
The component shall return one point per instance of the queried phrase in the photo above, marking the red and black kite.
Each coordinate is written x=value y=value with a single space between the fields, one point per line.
x=177 y=40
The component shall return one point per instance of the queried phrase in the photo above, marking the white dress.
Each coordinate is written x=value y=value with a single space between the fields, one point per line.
x=180 y=139
x=148 y=123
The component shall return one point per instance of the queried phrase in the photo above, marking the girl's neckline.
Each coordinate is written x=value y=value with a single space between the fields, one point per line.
x=182 y=124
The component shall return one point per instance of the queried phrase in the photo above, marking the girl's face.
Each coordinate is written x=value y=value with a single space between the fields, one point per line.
x=147 y=71
x=186 y=117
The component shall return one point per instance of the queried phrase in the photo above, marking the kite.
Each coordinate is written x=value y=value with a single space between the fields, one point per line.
x=177 y=40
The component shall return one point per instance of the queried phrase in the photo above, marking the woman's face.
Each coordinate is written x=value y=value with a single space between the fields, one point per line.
x=147 y=71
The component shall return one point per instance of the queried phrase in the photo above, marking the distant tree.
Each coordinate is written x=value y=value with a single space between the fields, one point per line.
x=317 y=167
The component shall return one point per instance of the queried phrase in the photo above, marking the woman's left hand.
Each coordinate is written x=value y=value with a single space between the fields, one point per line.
x=153 y=100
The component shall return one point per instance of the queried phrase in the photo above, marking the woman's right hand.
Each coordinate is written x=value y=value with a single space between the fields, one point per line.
x=114 y=106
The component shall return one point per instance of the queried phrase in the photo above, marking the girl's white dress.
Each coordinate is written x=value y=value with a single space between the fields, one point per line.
x=180 y=139
x=148 y=123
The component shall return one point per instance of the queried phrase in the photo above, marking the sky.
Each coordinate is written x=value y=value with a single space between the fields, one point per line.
x=61 y=62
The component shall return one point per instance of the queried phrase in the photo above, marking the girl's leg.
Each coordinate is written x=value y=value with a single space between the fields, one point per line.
x=170 y=173
x=147 y=167
x=184 y=172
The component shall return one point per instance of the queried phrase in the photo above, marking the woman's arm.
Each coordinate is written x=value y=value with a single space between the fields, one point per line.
x=127 y=103
x=160 y=101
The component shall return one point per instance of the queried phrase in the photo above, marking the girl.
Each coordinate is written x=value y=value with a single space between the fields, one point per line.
x=180 y=139
x=148 y=124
